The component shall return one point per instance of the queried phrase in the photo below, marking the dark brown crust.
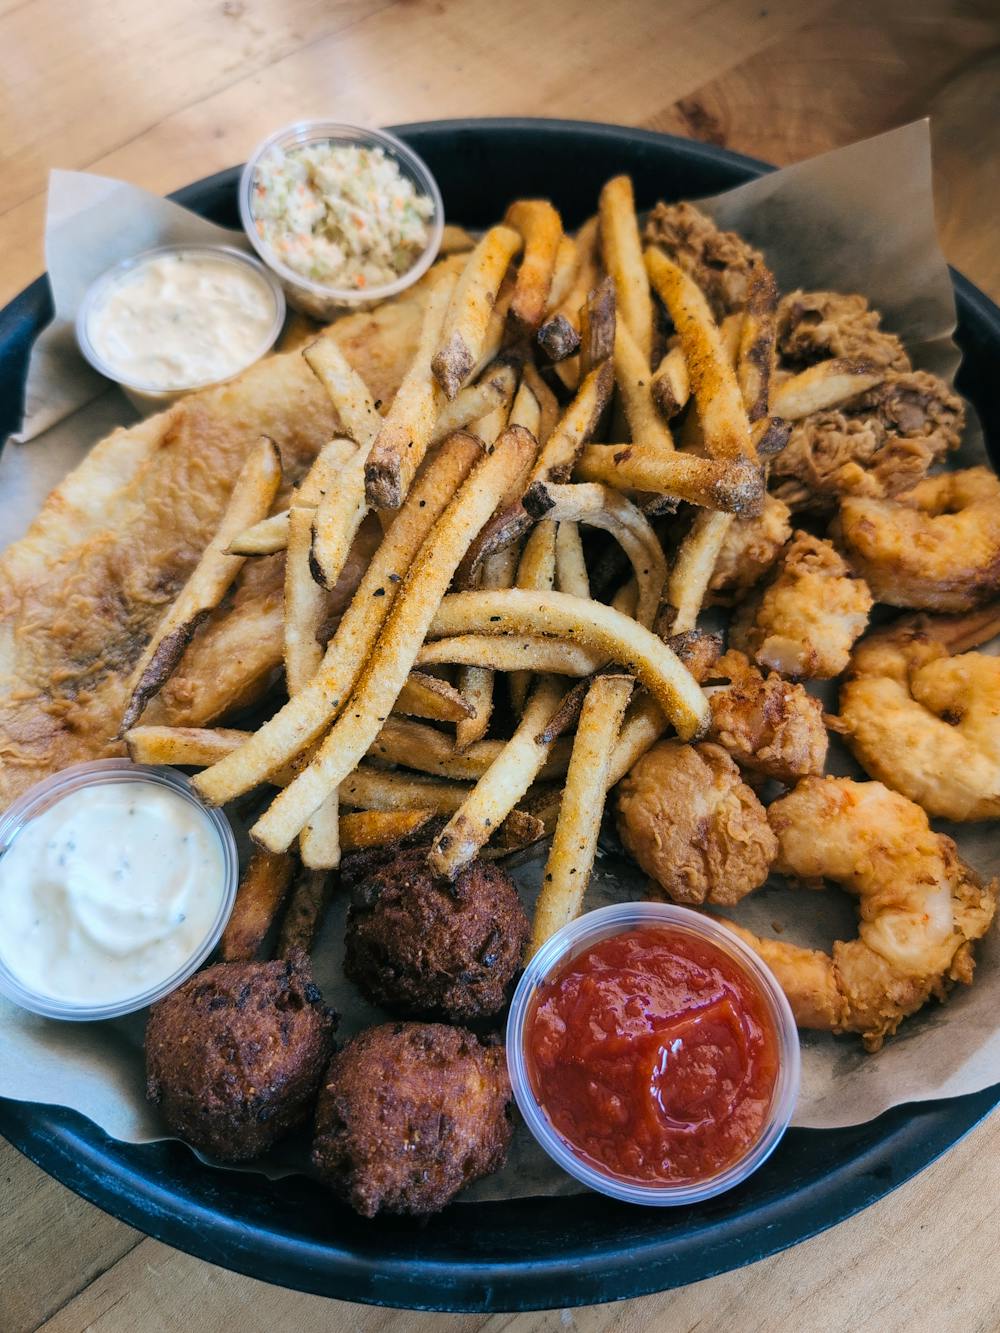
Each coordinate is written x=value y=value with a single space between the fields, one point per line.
x=597 y=327
x=451 y=364
x=504 y=529
x=383 y=485
x=262 y=891
x=558 y=339
x=303 y=917
x=161 y=667
x=410 y=1114
x=235 y=1056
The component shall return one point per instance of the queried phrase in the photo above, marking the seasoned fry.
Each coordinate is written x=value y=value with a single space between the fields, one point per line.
x=598 y=322
x=404 y=631
x=559 y=340
x=429 y=751
x=736 y=485
x=427 y=696
x=634 y=385
x=574 y=844
x=571 y=565
x=823 y=386
x=721 y=414
x=399 y=447
x=511 y=653
x=574 y=428
x=559 y=336
x=303 y=719
x=319 y=841
x=346 y=389
x=375 y=828
x=252 y=496
x=603 y=507
x=493 y=391
x=263 y=538
x=460 y=339
x=455 y=240
x=644 y=724
x=370 y=788
x=622 y=251
x=670 y=386
x=305 y=604
x=526 y=410
x=262 y=891
x=496 y=329
x=540 y=227
x=304 y=913
x=336 y=520
x=755 y=350
x=547 y=401
x=591 y=623
x=271 y=534
x=537 y=570
x=195 y=747
x=501 y=787
x=693 y=566
x=476 y=682
x=563 y=272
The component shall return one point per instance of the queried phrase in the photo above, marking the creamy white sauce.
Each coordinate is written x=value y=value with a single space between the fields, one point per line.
x=183 y=319
x=108 y=892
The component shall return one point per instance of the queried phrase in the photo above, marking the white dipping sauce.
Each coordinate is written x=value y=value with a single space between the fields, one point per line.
x=182 y=319
x=109 y=891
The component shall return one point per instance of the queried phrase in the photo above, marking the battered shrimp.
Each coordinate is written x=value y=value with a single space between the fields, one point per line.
x=767 y=724
x=921 y=907
x=750 y=548
x=806 y=620
x=927 y=723
x=936 y=548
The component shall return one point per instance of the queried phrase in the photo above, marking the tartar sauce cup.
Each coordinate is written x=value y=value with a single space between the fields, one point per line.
x=581 y=935
x=100 y=773
x=325 y=301
x=147 y=396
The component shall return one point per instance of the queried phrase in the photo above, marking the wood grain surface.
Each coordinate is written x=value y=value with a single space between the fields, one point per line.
x=159 y=94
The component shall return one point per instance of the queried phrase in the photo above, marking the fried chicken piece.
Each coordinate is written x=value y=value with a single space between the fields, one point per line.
x=419 y=946
x=813 y=326
x=806 y=620
x=936 y=548
x=411 y=1113
x=749 y=550
x=769 y=725
x=690 y=821
x=880 y=443
x=721 y=262
x=235 y=1056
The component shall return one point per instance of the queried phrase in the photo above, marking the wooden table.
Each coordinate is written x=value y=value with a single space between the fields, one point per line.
x=162 y=93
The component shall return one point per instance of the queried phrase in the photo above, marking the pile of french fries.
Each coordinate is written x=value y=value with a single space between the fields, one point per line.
x=542 y=402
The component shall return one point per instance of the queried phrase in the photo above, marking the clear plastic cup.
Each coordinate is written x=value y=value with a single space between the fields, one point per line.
x=324 y=301
x=615 y=920
x=99 y=773
x=149 y=398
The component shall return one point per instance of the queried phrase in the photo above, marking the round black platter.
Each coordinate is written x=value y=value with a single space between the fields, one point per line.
x=528 y=1253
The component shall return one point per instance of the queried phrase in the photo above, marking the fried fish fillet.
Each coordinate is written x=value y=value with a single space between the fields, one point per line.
x=82 y=592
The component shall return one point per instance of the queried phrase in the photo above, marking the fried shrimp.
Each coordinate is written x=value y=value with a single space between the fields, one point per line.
x=750 y=548
x=921 y=907
x=692 y=824
x=924 y=722
x=936 y=548
x=806 y=620
x=769 y=725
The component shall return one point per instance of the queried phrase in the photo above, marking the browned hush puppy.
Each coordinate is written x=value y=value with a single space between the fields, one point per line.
x=235 y=1056
x=409 y=1115
x=425 y=947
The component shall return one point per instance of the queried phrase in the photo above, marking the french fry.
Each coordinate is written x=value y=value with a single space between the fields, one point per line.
x=403 y=632
x=670 y=386
x=519 y=830
x=574 y=844
x=304 y=606
x=644 y=724
x=512 y=653
x=346 y=390
x=261 y=892
x=399 y=447
x=559 y=340
x=263 y=538
x=548 y=403
x=369 y=788
x=596 y=626
x=736 y=485
x=251 y=499
x=634 y=386
x=455 y=240
x=427 y=696
x=770 y=435
x=563 y=272
x=271 y=534
x=427 y=750
x=598 y=321
x=823 y=386
x=460 y=339
x=526 y=410
x=374 y=828
x=721 y=414
x=540 y=227
x=496 y=329
x=603 y=507
x=194 y=747
x=622 y=251
x=559 y=336
x=693 y=566
x=626 y=599
x=305 y=717
x=536 y=570
x=476 y=683
x=571 y=565
x=500 y=788
x=319 y=841
x=336 y=520
x=475 y=401
x=304 y=913
x=575 y=426
x=755 y=350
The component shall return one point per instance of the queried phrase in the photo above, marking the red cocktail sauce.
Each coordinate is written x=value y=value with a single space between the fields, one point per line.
x=654 y=1055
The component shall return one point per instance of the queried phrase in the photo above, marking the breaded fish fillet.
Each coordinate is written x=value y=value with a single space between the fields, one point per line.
x=82 y=592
